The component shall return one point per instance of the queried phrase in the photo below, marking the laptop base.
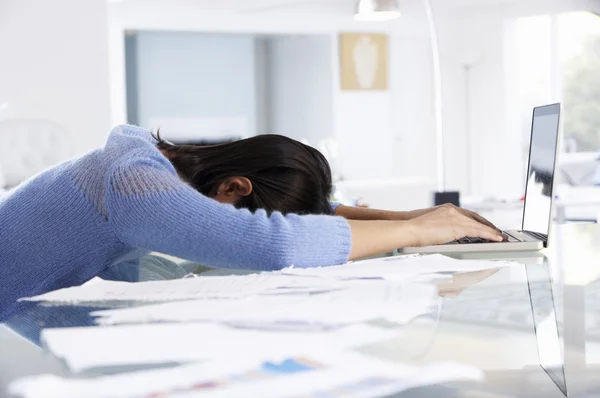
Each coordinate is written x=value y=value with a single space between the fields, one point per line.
x=476 y=247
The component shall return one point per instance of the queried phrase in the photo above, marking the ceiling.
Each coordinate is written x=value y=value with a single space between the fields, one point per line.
x=308 y=6
x=412 y=9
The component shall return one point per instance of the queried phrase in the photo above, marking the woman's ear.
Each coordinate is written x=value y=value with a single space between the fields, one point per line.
x=233 y=189
x=241 y=186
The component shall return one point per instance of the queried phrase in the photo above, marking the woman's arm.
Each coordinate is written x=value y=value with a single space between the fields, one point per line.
x=149 y=207
x=439 y=226
x=359 y=213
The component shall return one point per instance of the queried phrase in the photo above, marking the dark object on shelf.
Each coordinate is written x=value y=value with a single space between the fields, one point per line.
x=440 y=198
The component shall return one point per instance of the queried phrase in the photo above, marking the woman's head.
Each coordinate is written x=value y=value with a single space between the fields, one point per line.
x=269 y=172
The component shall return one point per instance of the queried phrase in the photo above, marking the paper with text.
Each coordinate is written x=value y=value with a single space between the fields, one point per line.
x=358 y=301
x=212 y=287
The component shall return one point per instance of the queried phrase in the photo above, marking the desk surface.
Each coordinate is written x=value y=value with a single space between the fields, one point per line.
x=485 y=319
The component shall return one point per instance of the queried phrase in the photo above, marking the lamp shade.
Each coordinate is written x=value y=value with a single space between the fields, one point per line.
x=377 y=10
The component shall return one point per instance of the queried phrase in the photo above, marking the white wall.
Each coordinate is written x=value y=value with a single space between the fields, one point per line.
x=364 y=132
x=300 y=81
x=381 y=134
x=190 y=75
x=261 y=80
x=481 y=152
x=54 y=65
x=411 y=90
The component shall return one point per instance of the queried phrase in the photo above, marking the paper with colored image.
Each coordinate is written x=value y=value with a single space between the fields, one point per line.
x=98 y=347
x=331 y=374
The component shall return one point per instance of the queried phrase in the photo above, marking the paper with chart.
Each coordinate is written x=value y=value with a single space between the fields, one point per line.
x=399 y=268
x=349 y=374
x=213 y=287
x=92 y=347
x=357 y=301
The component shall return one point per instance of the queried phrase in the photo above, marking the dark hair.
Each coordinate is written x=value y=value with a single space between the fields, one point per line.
x=286 y=175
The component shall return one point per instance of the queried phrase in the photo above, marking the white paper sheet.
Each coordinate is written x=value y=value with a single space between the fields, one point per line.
x=213 y=287
x=358 y=301
x=287 y=281
x=293 y=377
x=402 y=268
x=91 y=347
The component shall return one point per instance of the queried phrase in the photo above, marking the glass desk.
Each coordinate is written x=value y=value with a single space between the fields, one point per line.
x=503 y=322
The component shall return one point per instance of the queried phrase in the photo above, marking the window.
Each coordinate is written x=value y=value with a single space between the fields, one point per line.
x=556 y=58
x=579 y=49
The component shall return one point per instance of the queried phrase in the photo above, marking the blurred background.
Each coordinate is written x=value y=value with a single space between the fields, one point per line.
x=210 y=71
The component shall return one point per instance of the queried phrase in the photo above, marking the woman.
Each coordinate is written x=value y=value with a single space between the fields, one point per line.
x=139 y=194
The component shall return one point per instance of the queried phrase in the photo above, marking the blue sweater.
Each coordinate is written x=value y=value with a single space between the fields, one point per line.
x=71 y=222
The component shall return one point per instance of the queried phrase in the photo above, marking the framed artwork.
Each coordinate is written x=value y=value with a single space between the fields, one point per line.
x=364 y=61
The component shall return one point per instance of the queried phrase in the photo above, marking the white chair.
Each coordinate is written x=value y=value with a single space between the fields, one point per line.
x=28 y=146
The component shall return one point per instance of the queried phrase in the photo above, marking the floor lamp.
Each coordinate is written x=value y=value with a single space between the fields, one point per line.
x=381 y=10
x=441 y=196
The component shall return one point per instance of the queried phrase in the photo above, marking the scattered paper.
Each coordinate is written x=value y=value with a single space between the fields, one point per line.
x=357 y=302
x=348 y=374
x=404 y=268
x=96 y=347
x=400 y=268
x=210 y=287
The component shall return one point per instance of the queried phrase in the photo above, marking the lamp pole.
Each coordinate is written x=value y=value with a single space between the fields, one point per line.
x=438 y=98
x=366 y=10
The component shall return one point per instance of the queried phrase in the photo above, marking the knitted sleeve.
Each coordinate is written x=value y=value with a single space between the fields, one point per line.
x=334 y=206
x=150 y=207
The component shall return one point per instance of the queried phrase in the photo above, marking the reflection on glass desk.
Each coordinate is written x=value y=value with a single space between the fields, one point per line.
x=487 y=319
x=545 y=321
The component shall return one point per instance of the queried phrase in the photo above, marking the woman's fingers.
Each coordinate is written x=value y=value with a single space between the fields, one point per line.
x=472 y=215
x=492 y=236
x=488 y=223
x=484 y=234
x=481 y=219
x=483 y=231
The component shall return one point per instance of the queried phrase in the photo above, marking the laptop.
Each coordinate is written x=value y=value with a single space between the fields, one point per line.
x=539 y=194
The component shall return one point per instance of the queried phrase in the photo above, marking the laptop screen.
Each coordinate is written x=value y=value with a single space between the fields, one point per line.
x=540 y=172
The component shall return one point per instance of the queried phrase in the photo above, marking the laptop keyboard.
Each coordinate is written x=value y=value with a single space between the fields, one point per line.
x=480 y=240
x=473 y=240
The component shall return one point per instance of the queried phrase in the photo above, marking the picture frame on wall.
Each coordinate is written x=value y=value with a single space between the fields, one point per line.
x=363 y=61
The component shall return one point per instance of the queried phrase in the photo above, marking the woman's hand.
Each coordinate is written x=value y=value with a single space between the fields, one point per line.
x=437 y=227
x=356 y=213
x=448 y=223
x=471 y=214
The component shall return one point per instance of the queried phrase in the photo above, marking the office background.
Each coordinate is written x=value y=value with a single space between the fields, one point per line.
x=207 y=70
